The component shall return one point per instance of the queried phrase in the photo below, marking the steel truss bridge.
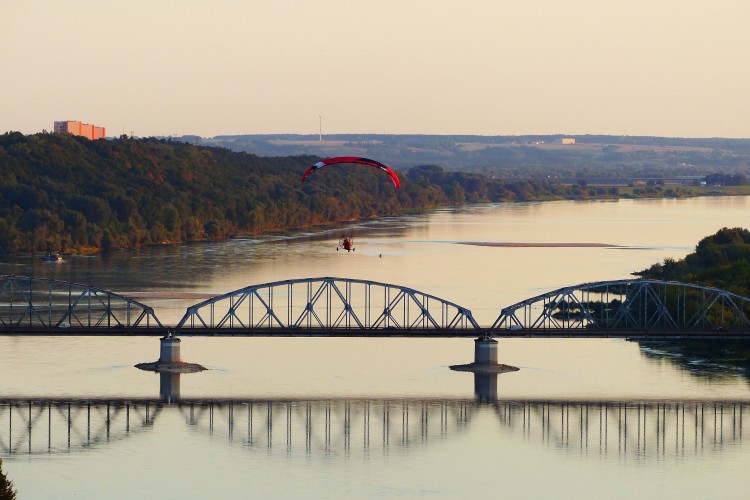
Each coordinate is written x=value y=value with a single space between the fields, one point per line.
x=325 y=305
x=631 y=308
x=632 y=430
x=35 y=305
x=350 y=307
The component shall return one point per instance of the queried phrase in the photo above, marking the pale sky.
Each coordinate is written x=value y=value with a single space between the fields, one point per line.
x=489 y=67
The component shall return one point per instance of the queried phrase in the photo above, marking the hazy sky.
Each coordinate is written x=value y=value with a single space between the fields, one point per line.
x=491 y=67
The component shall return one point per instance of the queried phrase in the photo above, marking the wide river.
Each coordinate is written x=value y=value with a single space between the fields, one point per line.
x=355 y=418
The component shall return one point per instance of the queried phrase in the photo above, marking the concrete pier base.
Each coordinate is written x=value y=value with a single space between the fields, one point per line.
x=170 y=360
x=485 y=359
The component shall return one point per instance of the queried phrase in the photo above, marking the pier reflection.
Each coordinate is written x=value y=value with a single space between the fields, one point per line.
x=485 y=387
x=169 y=387
x=624 y=429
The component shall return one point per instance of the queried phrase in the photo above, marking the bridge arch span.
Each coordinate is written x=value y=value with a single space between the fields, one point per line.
x=324 y=304
x=43 y=304
x=634 y=305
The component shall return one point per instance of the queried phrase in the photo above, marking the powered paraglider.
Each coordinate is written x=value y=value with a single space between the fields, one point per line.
x=353 y=159
x=346 y=242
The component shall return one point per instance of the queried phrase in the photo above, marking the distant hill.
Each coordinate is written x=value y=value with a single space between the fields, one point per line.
x=514 y=156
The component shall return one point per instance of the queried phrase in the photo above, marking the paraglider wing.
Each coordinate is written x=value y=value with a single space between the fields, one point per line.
x=353 y=159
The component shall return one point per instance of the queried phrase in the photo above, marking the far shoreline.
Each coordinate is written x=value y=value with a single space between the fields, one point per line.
x=522 y=244
x=89 y=251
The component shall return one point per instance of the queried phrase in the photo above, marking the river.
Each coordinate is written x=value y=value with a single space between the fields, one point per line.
x=335 y=418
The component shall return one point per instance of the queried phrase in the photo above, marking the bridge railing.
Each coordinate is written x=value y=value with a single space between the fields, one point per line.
x=325 y=304
x=45 y=304
x=629 y=305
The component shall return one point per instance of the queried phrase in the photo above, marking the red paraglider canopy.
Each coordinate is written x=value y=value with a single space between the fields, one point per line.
x=353 y=159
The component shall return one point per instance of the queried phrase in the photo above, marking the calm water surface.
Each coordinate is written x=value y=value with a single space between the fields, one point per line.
x=383 y=417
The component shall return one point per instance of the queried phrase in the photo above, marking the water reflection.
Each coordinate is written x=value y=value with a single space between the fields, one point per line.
x=194 y=265
x=169 y=387
x=635 y=430
x=485 y=387
x=622 y=429
x=709 y=359
x=62 y=426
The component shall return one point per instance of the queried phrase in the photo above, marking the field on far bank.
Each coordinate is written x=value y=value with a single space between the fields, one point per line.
x=685 y=191
x=311 y=143
x=585 y=147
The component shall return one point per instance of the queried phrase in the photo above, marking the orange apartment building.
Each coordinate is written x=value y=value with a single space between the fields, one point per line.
x=83 y=129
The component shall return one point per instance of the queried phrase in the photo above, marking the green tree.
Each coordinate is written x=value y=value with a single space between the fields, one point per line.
x=9 y=237
x=6 y=485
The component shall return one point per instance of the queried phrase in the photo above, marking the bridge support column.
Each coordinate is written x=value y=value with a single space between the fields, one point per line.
x=485 y=351
x=170 y=351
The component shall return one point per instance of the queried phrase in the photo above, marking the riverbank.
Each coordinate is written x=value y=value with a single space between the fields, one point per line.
x=627 y=193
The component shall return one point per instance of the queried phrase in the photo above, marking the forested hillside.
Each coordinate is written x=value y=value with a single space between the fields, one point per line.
x=66 y=193
x=721 y=260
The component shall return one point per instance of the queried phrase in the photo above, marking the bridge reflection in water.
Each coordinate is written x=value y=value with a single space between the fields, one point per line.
x=623 y=429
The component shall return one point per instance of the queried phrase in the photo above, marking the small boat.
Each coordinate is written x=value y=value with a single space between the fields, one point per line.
x=52 y=257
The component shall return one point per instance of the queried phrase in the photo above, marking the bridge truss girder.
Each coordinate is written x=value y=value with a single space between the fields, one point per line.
x=325 y=304
x=644 y=305
x=43 y=304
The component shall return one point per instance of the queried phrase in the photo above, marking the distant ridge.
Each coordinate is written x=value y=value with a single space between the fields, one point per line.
x=516 y=156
